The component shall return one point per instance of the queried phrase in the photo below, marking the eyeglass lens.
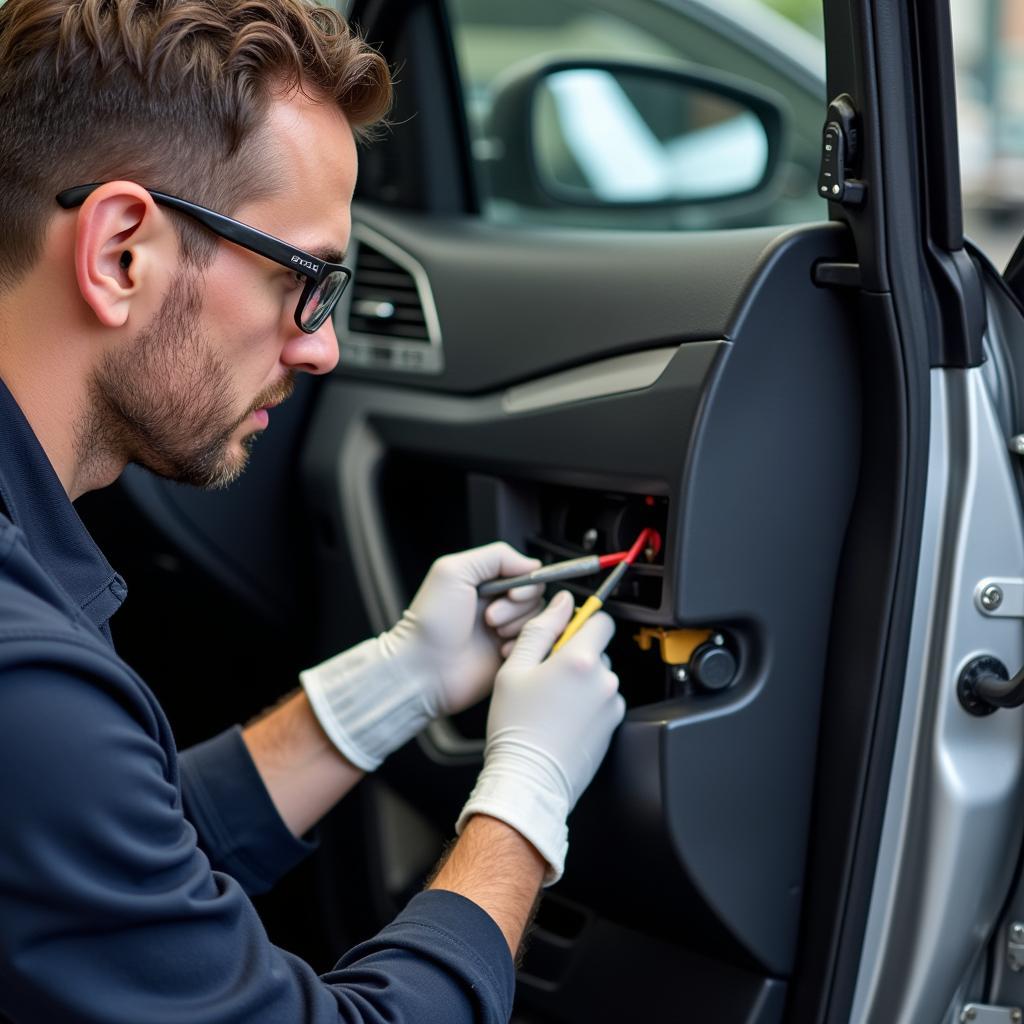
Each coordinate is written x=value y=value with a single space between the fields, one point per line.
x=322 y=299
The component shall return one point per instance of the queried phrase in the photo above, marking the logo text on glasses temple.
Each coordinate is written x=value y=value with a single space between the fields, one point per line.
x=315 y=267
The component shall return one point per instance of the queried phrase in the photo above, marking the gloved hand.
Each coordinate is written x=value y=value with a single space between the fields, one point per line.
x=549 y=726
x=440 y=658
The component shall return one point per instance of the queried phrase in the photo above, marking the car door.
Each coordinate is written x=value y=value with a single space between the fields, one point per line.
x=793 y=406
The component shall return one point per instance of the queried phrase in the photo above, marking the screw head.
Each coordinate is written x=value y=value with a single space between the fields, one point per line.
x=1015 y=1015
x=1017 y=931
x=718 y=640
x=590 y=539
x=681 y=673
x=991 y=598
x=969 y=1013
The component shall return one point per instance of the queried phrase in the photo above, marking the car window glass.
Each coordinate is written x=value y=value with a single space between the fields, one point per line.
x=609 y=148
x=988 y=42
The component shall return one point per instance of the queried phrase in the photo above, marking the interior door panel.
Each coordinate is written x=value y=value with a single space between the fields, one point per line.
x=703 y=384
x=744 y=449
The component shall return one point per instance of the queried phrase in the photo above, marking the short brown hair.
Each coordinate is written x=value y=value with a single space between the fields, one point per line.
x=169 y=93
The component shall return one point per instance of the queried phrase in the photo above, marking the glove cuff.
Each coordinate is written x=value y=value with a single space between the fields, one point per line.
x=522 y=787
x=367 y=706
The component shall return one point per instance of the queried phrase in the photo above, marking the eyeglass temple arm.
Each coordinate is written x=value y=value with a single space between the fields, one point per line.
x=241 y=234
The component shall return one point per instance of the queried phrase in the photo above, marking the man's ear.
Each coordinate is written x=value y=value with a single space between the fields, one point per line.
x=121 y=250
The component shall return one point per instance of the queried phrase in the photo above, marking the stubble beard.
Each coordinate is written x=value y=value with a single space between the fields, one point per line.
x=166 y=401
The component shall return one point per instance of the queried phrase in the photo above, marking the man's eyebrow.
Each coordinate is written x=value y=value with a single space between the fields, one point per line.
x=328 y=254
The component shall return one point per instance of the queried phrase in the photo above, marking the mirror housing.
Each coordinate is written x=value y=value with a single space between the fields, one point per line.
x=557 y=129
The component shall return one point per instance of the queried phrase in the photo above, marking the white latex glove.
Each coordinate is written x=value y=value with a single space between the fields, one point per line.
x=548 y=729
x=440 y=658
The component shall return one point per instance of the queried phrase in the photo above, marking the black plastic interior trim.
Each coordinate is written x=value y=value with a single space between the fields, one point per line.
x=936 y=104
x=958 y=284
x=460 y=122
x=423 y=161
x=568 y=290
x=868 y=44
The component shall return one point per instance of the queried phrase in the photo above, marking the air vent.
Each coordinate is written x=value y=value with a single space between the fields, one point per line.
x=392 y=323
x=384 y=299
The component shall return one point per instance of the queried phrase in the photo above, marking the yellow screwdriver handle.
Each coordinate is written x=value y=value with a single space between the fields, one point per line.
x=591 y=605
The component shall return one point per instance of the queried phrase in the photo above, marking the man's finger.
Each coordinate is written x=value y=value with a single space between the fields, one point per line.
x=541 y=632
x=489 y=562
x=594 y=635
x=515 y=626
x=528 y=592
x=501 y=611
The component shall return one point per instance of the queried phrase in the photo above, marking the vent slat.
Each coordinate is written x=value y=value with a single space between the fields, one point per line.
x=385 y=329
x=399 y=298
x=377 y=311
x=386 y=279
x=371 y=259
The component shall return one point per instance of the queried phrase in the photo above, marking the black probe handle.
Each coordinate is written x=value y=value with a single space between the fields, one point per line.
x=584 y=566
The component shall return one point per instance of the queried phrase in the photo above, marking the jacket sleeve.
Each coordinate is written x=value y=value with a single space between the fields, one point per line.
x=236 y=822
x=110 y=911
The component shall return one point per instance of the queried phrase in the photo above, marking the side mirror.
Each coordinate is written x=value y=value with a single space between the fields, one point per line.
x=601 y=133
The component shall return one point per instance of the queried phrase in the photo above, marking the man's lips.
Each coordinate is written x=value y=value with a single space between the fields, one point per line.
x=262 y=415
x=275 y=397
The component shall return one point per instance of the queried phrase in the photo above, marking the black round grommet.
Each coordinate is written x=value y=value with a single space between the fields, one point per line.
x=713 y=667
x=982 y=667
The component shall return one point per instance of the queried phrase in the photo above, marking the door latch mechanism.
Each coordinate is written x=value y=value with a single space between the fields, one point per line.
x=840 y=153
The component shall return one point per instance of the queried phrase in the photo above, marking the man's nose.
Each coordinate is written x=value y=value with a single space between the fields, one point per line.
x=312 y=353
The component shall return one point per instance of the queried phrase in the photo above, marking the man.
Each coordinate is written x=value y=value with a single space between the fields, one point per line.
x=138 y=324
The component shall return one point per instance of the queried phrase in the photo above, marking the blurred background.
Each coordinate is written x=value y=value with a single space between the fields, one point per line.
x=988 y=36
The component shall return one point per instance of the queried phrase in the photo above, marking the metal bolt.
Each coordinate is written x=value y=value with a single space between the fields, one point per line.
x=835 y=190
x=718 y=640
x=681 y=673
x=1017 y=931
x=1015 y=1015
x=590 y=539
x=969 y=1014
x=991 y=599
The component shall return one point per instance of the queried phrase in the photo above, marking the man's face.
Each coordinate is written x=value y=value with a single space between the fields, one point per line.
x=189 y=393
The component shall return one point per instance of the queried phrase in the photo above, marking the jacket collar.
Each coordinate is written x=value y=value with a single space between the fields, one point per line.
x=36 y=502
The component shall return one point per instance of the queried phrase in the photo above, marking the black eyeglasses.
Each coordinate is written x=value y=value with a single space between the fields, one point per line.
x=325 y=282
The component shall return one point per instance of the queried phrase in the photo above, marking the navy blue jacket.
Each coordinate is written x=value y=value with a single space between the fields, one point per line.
x=124 y=868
